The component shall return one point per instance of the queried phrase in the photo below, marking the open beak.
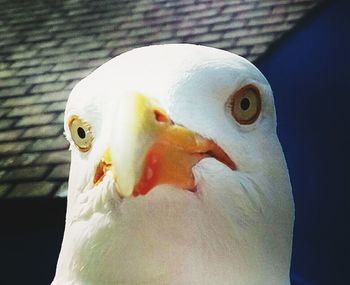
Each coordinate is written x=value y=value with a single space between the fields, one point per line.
x=148 y=149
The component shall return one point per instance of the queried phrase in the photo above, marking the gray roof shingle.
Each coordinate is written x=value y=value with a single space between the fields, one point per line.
x=47 y=46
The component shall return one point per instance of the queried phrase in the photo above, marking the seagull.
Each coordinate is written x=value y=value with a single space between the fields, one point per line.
x=177 y=175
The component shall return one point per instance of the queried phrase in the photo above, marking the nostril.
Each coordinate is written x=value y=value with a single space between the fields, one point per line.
x=160 y=117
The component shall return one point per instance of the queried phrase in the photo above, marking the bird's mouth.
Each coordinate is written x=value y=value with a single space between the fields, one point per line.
x=158 y=152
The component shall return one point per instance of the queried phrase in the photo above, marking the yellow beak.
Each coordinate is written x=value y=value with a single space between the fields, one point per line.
x=148 y=149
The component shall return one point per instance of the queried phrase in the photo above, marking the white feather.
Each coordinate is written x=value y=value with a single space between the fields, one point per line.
x=236 y=229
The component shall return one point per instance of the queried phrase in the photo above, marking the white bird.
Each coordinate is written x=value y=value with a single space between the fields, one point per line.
x=177 y=174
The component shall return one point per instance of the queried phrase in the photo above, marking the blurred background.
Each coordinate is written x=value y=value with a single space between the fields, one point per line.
x=46 y=47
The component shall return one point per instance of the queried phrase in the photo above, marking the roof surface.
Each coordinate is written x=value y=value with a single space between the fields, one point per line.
x=46 y=47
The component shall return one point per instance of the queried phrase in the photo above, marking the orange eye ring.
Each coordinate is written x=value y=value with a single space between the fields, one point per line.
x=246 y=105
x=81 y=133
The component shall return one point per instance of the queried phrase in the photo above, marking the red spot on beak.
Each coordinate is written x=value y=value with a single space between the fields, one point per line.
x=150 y=174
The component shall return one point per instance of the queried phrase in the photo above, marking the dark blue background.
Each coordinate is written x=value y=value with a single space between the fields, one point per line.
x=309 y=72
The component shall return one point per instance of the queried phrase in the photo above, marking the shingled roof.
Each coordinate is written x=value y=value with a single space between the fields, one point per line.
x=46 y=47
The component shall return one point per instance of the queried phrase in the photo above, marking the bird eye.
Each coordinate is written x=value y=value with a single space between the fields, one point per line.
x=246 y=105
x=81 y=133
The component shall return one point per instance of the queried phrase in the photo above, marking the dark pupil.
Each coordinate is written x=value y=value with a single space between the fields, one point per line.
x=81 y=133
x=245 y=103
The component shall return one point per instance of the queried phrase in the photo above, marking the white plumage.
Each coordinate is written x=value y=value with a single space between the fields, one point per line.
x=235 y=229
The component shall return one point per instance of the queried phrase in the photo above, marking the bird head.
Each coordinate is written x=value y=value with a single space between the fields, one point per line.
x=177 y=175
